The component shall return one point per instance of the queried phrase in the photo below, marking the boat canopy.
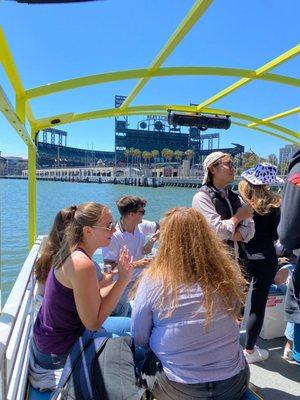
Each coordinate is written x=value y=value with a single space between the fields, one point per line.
x=21 y=116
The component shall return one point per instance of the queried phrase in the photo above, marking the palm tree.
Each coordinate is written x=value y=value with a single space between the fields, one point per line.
x=189 y=154
x=131 y=150
x=127 y=154
x=164 y=153
x=155 y=154
x=178 y=154
x=137 y=155
x=146 y=156
x=168 y=154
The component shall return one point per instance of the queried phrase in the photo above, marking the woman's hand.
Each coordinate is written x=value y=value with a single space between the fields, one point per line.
x=125 y=266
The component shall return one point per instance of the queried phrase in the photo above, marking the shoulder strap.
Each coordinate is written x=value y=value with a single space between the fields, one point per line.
x=72 y=360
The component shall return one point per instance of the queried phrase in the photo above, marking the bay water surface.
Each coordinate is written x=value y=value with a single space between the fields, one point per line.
x=51 y=197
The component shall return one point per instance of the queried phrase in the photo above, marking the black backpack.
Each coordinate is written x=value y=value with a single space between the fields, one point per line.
x=100 y=368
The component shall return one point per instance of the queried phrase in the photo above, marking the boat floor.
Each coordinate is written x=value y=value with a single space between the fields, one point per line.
x=275 y=378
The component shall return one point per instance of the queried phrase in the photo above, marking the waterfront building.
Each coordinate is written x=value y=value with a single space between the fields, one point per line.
x=15 y=165
x=3 y=162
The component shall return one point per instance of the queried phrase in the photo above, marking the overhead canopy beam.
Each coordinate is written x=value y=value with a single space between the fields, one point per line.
x=10 y=68
x=158 y=109
x=10 y=114
x=278 y=116
x=141 y=73
x=260 y=71
x=185 y=26
x=297 y=142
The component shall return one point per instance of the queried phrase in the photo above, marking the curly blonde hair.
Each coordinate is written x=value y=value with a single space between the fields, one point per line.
x=259 y=197
x=190 y=253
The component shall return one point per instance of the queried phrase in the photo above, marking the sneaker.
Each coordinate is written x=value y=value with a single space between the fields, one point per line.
x=257 y=356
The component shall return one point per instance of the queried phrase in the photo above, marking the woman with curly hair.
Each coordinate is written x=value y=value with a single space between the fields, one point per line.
x=186 y=310
x=261 y=264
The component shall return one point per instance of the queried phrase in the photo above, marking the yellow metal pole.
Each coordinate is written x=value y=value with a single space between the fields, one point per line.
x=98 y=79
x=156 y=109
x=284 y=114
x=10 y=68
x=260 y=71
x=185 y=26
x=31 y=194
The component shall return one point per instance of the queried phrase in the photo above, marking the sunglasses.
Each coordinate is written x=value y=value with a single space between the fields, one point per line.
x=111 y=226
x=141 y=211
x=228 y=164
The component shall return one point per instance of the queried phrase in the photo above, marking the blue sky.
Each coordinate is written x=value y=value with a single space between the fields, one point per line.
x=56 y=42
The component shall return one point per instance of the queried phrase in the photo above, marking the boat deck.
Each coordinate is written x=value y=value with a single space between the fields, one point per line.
x=275 y=378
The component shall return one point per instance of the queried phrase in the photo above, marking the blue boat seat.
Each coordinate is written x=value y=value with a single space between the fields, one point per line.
x=35 y=394
x=250 y=395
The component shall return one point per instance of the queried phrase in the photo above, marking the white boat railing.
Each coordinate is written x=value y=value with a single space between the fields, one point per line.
x=16 y=321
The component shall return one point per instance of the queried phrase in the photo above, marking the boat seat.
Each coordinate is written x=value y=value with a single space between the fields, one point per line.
x=250 y=395
x=35 y=394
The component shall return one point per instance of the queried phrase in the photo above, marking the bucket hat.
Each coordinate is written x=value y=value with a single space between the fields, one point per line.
x=262 y=174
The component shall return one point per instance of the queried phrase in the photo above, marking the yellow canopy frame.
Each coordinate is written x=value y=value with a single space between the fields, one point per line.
x=22 y=114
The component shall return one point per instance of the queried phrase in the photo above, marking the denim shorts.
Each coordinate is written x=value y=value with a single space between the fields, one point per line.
x=48 y=361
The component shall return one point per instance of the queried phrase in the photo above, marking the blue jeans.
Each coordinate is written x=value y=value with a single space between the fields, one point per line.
x=118 y=326
x=113 y=327
x=289 y=331
x=47 y=361
x=296 y=343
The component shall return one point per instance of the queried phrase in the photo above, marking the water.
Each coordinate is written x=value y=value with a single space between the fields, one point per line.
x=52 y=196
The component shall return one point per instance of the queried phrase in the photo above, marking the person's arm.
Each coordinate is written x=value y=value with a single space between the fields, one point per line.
x=141 y=317
x=142 y=263
x=105 y=289
x=92 y=309
x=224 y=228
x=245 y=231
x=149 y=227
x=289 y=232
x=150 y=242
x=274 y=222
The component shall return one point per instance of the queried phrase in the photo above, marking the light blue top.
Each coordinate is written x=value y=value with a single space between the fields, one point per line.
x=188 y=352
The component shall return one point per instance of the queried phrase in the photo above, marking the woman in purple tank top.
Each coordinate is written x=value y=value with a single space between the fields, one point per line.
x=72 y=300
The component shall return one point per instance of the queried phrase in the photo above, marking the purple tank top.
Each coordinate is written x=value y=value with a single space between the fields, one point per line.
x=57 y=326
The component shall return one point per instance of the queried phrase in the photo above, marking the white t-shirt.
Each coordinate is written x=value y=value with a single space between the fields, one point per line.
x=134 y=242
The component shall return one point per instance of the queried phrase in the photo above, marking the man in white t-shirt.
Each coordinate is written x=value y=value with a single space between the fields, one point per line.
x=131 y=231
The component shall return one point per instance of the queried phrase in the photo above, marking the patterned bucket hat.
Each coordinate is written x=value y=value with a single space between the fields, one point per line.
x=262 y=174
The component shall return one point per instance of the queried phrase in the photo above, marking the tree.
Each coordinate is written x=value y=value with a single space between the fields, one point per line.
x=131 y=150
x=155 y=154
x=272 y=159
x=146 y=156
x=127 y=153
x=167 y=154
x=283 y=168
x=164 y=153
x=189 y=154
x=178 y=154
x=250 y=159
x=137 y=154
